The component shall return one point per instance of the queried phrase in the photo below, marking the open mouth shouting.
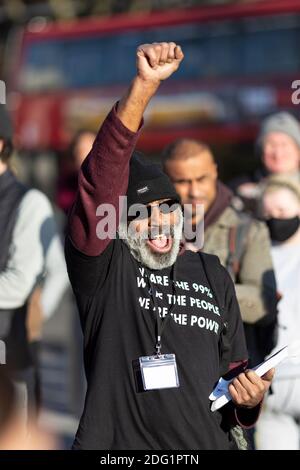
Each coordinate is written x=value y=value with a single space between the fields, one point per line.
x=161 y=243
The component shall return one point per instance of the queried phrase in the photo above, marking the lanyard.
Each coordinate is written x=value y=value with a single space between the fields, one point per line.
x=161 y=324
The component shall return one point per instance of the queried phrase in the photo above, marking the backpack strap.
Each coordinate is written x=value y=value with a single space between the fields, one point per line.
x=232 y=262
x=237 y=240
x=211 y=266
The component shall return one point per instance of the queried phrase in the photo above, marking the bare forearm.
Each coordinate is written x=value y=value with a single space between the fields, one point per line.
x=133 y=104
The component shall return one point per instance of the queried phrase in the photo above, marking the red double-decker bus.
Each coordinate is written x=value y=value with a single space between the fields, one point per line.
x=240 y=62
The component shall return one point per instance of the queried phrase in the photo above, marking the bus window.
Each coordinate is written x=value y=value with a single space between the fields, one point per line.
x=230 y=48
x=271 y=45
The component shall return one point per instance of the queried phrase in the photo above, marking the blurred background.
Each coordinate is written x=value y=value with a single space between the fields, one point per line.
x=64 y=64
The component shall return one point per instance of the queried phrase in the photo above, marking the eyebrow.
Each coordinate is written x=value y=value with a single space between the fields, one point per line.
x=187 y=180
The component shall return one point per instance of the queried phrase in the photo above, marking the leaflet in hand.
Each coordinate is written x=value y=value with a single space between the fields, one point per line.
x=220 y=395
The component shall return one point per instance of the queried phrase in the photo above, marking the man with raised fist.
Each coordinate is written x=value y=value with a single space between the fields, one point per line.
x=157 y=335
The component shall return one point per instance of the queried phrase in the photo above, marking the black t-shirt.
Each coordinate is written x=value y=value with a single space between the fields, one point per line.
x=115 y=299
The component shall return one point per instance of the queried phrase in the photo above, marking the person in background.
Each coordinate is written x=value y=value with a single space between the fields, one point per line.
x=13 y=434
x=241 y=242
x=31 y=256
x=67 y=187
x=278 y=146
x=278 y=427
x=79 y=148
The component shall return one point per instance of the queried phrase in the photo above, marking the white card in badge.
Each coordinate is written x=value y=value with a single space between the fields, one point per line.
x=159 y=371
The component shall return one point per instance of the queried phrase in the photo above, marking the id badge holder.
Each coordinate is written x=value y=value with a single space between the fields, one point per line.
x=159 y=372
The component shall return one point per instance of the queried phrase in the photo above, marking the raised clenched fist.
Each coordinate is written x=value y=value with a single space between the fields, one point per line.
x=158 y=61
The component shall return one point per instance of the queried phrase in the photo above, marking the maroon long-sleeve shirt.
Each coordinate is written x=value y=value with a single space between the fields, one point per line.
x=102 y=179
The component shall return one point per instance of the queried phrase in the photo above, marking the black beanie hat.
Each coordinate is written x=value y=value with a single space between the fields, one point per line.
x=6 y=130
x=147 y=182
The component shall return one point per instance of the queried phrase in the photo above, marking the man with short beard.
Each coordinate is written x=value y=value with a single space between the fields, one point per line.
x=153 y=326
x=241 y=242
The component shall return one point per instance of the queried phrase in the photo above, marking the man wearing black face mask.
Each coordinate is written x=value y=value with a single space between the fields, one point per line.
x=279 y=427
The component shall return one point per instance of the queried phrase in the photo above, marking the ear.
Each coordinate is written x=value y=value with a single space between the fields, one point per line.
x=215 y=170
x=1 y=145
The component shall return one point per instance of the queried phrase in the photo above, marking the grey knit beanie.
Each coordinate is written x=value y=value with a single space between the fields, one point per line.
x=279 y=122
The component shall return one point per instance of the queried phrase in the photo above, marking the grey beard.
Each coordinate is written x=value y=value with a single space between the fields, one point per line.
x=137 y=244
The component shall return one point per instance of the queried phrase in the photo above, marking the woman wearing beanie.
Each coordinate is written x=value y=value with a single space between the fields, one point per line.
x=279 y=426
x=278 y=147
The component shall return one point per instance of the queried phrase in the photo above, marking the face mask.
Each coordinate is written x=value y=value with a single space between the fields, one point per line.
x=282 y=229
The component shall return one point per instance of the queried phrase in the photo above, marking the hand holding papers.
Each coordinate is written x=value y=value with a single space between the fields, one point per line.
x=220 y=395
